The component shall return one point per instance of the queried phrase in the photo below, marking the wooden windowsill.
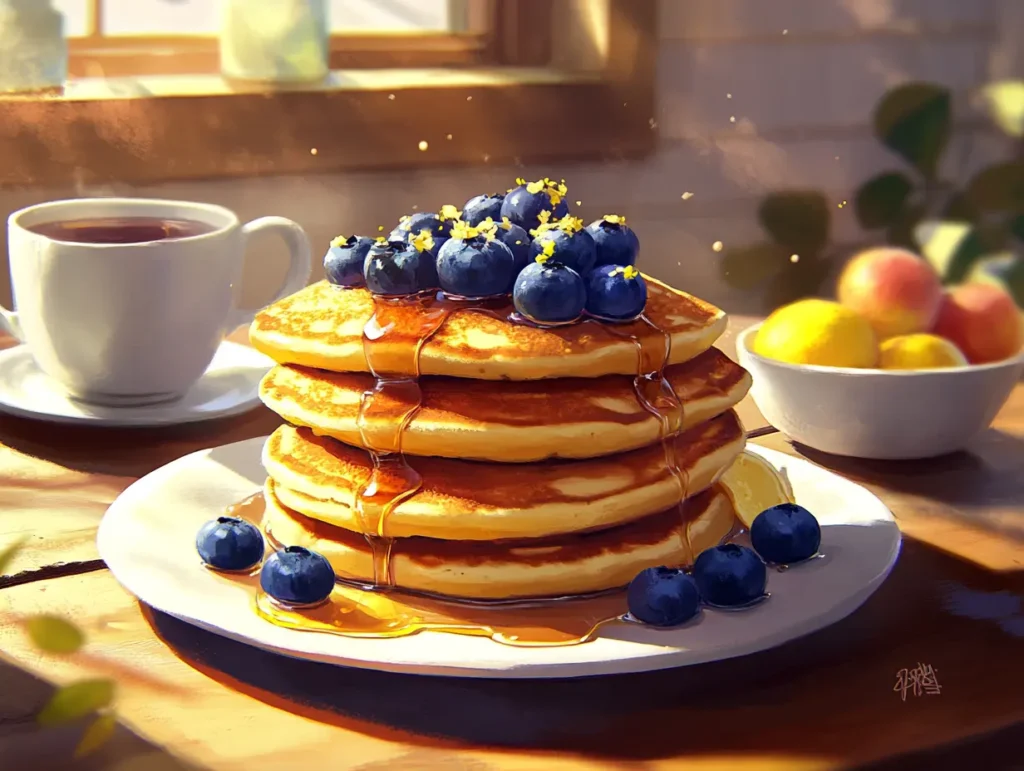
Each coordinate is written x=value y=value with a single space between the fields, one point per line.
x=593 y=99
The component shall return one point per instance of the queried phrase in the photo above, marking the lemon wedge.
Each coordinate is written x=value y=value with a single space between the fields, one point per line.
x=754 y=485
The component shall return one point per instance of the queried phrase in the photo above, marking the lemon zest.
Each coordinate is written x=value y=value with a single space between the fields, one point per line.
x=339 y=241
x=546 y=253
x=449 y=212
x=423 y=241
x=626 y=271
x=614 y=219
x=506 y=223
x=569 y=224
x=380 y=240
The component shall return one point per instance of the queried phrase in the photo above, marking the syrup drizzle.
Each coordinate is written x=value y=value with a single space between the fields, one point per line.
x=392 y=341
x=656 y=395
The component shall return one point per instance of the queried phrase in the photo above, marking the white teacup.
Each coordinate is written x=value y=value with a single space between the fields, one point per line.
x=124 y=301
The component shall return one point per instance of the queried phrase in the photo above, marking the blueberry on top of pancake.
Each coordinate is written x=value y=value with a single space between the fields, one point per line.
x=616 y=293
x=395 y=268
x=525 y=204
x=344 y=260
x=615 y=241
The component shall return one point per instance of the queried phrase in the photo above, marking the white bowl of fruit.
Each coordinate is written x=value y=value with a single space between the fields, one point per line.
x=898 y=368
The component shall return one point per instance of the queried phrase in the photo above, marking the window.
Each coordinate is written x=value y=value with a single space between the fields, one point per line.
x=112 y=38
x=414 y=83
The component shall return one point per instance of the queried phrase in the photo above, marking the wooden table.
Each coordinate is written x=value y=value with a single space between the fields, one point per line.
x=190 y=699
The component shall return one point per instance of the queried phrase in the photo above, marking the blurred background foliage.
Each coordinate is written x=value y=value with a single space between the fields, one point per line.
x=968 y=229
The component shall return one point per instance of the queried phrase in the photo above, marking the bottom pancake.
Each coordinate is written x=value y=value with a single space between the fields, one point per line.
x=497 y=570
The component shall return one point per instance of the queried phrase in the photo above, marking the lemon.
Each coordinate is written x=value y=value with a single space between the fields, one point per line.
x=920 y=352
x=817 y=332
x=754 y=485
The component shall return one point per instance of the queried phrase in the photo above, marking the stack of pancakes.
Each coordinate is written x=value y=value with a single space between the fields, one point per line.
x=539 y=469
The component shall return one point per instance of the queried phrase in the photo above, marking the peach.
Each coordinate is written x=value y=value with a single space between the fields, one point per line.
x=983 y=321
x=895 y=290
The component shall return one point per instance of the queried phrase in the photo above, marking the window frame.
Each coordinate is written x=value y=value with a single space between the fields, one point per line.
x=592 y=98
x=474 y=44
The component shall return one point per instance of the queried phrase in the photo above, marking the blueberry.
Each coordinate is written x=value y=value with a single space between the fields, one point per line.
x=730 y=575
x=481 y=208
x=663 y=597
x=474 y=264
x=616 y=292
x=439 y=225
x=616 y=243
x=297 y=576
x=343 y=262
x=228 y=543
x=523 y=204
x=547 y=292
x=394 y=268
x=785 y=534
x=573 y=246
x=516 y=239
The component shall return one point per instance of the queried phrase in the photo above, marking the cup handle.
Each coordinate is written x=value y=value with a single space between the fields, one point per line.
x=299 y=266
x=10 y=325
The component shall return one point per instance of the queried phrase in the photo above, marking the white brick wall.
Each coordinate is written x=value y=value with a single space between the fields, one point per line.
x=802 y=102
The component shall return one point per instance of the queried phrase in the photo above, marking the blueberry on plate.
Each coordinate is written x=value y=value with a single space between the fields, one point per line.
x=482 y=207
x=615 y=241
x=395 y=268
x=573 y=246
x=616 y=292
x=343 y=262
x=228 y=543
x=547 y=292
x=730 y=576
x=785 y=534
x=297 y=576
x=523 y=204
x=663 y=597
x=474 y=264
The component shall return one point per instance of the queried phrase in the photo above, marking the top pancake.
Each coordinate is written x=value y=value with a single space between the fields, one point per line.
x=322 y=325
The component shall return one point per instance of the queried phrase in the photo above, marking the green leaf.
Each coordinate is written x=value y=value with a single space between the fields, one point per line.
x=76 y=701
x=1000 y=187
x=1017 y=227
x=880 y=199
x=951 y=248
x=914 y=121
x=960 y=208
x=97 y=734
x=901 y=232
x=7 y=555
x=796 y=219
x=54 y=634
x=747 y=267
x=1005 y=102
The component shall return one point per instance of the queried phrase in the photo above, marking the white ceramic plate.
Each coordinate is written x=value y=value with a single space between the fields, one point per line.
x=229 y=386
x=147 y=539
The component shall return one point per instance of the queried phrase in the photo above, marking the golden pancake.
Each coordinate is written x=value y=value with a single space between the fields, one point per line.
x=467 y=500
x=514 y=422
x=322 y=326
x=545 y=567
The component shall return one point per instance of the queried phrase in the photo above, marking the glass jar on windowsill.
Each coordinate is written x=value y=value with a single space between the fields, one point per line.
x=33 y=50
x=277 y=42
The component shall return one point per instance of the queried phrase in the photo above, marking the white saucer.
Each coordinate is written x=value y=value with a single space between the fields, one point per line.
x=229 y=386
x=153 y=556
